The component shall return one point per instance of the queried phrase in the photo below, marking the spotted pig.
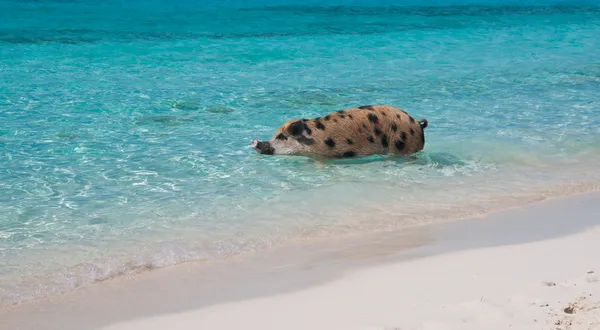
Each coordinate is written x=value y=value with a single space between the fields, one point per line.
x=355 y=132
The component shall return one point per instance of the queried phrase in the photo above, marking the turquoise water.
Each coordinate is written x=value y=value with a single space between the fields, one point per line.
x=125 y=127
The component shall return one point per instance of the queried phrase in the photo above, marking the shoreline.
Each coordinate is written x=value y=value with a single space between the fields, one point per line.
x=290 y=269
x=548 y=284
x=443 y=214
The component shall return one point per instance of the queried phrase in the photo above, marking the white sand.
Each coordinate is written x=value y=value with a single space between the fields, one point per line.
x=525 y=286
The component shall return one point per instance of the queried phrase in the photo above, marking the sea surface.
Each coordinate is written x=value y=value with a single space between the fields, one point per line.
x=125 y=126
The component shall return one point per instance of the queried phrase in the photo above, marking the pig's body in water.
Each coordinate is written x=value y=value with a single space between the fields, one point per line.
x=355 y=132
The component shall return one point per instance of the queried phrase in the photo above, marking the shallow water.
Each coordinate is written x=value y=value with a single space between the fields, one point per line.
x=125 y=128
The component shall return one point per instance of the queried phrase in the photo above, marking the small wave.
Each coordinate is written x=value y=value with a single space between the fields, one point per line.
x=365 y=217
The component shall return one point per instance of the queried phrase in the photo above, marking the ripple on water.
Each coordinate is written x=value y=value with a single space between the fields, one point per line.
x=220 y=109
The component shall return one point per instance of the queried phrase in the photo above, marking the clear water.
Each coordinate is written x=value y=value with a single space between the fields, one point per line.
x=125 y=126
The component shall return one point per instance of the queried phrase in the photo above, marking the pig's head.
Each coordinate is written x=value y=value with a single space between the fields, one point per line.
x=289 y=139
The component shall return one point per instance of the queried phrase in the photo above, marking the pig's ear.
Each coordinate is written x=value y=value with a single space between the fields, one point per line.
x=296 y=128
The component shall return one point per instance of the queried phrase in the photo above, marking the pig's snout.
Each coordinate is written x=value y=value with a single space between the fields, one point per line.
x=264 y=148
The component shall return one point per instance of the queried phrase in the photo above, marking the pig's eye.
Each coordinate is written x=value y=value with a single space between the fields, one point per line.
x=281 y=137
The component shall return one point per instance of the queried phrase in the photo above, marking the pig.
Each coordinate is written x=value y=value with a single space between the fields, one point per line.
x=354 y=132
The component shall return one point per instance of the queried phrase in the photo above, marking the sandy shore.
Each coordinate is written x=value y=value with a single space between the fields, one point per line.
x=545 y=285
x=533 y=268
